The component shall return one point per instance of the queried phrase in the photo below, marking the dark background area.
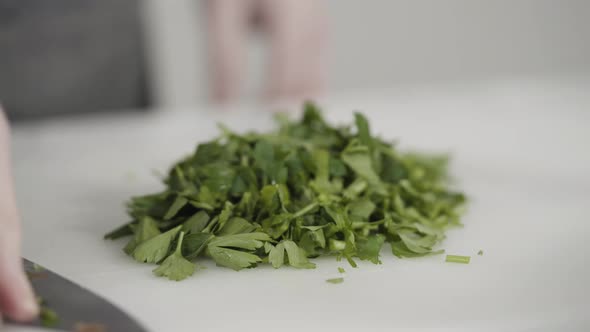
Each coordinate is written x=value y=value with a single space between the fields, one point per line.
x=65 y=56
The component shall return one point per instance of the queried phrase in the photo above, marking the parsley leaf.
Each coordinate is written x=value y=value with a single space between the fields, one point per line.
x=296 y=257
x=276 y=256
x=357 y=157
x=122 y=231
x=370 y=247
x=175 y=266
x=156 y=248
x=178 y=204
x=236 y=225
x=234 y=259
x=194 y=244
x=224 y=249
x=248 y=241
x=145 y=230
x=196 y=223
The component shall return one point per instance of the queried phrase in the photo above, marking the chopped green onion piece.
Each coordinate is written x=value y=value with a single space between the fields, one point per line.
x=341 y=270
x=480 y=253
x=335 y=280
x=458 y=259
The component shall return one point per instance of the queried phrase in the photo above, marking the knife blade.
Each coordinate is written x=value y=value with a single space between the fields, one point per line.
x=77 y=309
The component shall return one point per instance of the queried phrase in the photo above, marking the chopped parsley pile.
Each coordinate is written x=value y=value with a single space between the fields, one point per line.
x=307 y=190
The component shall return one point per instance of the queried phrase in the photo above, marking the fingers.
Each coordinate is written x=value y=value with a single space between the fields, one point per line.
x=298 y=36
x=16 y=297
x=227 y=23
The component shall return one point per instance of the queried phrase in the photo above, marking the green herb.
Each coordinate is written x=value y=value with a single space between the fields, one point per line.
x=194 y=244
x=47 y=316
x=341 y=270
x=155 y=249
x=221 y=249
x=176 y=267
x=122 y=231
x=335 y=280
x=480 y=253
x=308 y=189
x=458 y=259
x=145 y=230
x=196 y=223
x=296 y=256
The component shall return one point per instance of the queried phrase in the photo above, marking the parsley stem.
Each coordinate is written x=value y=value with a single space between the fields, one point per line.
x=458 y=259
x=179 y=244
x=335 y=280
x=305 y=210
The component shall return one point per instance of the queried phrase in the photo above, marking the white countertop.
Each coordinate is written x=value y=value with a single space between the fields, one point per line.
x=521 y=151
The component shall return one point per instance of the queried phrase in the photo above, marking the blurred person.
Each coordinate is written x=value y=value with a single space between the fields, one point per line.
x=295 y=29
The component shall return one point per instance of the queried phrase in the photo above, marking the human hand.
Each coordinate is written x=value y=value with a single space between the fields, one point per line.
x=17 y=301
x=296 y=32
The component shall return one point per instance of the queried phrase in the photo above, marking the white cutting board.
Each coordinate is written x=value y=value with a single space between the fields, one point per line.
x=521 y=151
